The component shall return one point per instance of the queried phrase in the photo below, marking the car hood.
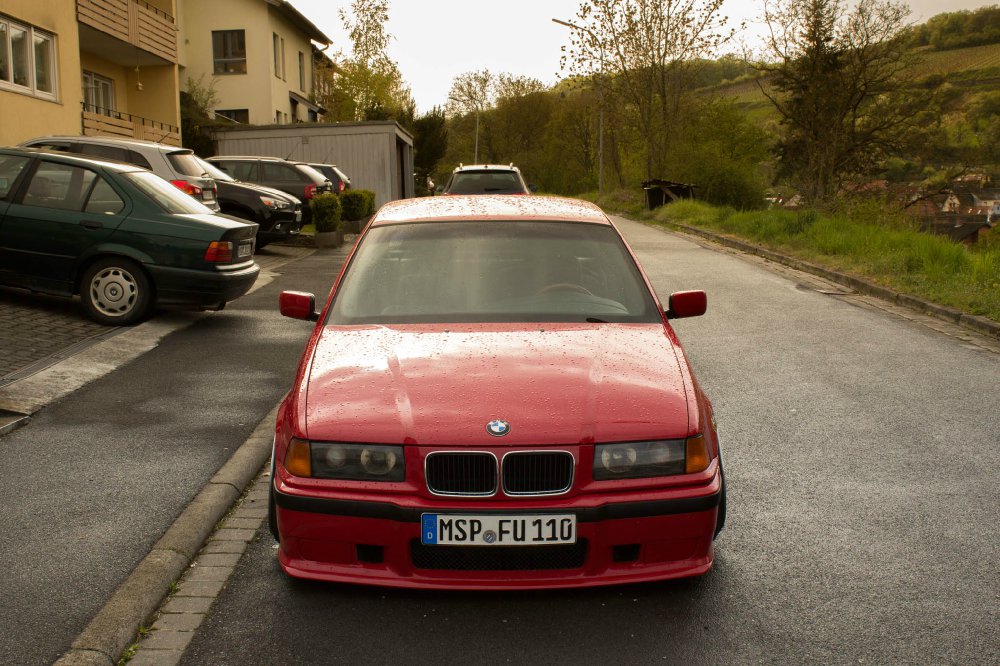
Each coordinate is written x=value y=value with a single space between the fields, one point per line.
x=554 y=384
x=270 y=191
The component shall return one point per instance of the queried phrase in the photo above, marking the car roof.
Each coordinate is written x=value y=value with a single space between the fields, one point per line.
x=489 y=207
x=266 y=158
x=114 y=141
x=485 y=167
x=74 y=158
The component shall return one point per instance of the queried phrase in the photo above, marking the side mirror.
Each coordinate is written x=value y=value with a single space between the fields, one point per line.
x=298 y=305
x=686 y=304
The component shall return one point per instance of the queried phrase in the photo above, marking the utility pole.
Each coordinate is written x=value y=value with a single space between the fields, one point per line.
x=600 y=92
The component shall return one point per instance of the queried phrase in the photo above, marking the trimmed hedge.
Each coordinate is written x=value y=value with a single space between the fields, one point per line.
x=357 y=205
x=353 y=202
x=326 y=210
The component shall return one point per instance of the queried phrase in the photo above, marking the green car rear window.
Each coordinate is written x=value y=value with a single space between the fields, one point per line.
x=165 y=195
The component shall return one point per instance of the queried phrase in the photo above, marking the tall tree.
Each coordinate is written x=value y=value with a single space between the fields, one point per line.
x=430 y=142
x=636 y=50
x=367 y=85
x=471 y=93
x=841 y=83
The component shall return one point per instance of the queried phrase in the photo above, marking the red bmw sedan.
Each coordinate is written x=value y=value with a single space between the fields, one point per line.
x=493 y=398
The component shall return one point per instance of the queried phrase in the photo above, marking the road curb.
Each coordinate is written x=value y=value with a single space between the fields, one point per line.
x=975 y=323
x=135 y=601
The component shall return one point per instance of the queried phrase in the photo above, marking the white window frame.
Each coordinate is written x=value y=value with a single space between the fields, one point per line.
x=91 y=81
x=32 y=87
x=283 y=78
x=276 y=43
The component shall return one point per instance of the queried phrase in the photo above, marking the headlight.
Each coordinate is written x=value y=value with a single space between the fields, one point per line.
x=271 y=202
x=356 y=462
x=635 y=460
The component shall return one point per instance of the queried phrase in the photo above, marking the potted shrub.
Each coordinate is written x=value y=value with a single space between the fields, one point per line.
x=326 y=212
x=357 y=205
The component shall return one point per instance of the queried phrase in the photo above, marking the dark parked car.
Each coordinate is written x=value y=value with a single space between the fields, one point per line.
x=178 y=165
x=121 y=237
x=339 y=179
x=486 y=179
x=278 y=214
x=296 y=178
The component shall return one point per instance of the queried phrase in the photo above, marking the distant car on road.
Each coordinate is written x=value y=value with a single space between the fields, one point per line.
x=296 y=178
x=121 y=237
x=493 y=398
x=339 y=179
x=180 y=166
x=486 y=179
x=278 y=215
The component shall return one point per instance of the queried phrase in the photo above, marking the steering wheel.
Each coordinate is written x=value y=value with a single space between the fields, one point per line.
x=564 y=286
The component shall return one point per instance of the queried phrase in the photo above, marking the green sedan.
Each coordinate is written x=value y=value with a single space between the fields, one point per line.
x=121 y=237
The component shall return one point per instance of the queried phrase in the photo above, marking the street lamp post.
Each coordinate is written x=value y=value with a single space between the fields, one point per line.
x=600 y=92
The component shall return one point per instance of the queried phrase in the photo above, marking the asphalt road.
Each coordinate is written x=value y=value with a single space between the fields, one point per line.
x=95 y=479
x=861 y=457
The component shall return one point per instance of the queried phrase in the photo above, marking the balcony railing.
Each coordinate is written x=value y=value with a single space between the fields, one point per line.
x=98 y=121
x=132 y=21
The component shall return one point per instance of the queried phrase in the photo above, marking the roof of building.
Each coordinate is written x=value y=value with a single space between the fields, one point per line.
x=299 y=20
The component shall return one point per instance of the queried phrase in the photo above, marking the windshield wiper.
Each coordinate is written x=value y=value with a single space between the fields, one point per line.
x=595 y=320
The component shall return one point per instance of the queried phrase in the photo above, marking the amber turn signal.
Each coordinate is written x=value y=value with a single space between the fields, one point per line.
x=697 y=458
x=298 y=459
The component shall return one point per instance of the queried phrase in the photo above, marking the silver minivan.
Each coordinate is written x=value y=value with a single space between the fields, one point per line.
x=180 y=166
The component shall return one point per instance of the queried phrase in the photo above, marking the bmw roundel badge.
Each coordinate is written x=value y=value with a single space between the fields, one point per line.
x=498 y=428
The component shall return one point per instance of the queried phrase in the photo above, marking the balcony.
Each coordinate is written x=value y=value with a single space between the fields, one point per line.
x=107 y=122
x=130 y=22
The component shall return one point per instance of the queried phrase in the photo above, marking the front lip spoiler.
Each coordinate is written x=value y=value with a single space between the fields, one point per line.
x=402 y=514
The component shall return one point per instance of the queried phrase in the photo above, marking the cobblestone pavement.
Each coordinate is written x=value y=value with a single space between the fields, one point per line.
x=37 y=330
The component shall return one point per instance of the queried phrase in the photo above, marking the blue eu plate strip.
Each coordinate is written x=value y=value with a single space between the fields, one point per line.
x=429 y=528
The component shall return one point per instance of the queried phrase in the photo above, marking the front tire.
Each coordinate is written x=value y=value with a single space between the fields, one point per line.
x=116 y=292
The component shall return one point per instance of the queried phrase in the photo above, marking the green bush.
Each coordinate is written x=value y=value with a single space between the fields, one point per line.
x=355 y=205
x=358 y=205
x=326 y=210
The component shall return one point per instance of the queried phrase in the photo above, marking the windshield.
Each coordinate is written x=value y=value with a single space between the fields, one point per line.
x=492 y=271
x=168 y=197
x=214 y=171
x=486 y=182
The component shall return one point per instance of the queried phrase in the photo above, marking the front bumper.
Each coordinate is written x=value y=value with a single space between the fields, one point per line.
x=280 y=226
x=667 y=534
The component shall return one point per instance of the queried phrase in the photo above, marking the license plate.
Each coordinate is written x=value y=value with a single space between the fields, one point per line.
x=298 y=216
x=497 y=530
x=245 y=250
x=208 y=195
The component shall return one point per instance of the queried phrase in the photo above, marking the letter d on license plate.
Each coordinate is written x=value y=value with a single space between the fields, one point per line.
x=497 y=530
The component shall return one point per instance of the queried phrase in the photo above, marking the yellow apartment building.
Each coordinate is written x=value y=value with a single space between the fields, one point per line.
x=93 y=67
x=256 y=55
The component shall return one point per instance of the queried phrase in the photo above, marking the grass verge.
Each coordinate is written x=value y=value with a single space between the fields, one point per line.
x=866 y=241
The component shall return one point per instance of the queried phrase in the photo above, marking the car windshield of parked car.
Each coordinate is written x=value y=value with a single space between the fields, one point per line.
x=492 y=271
x=214 y=172
x=486 y=182
x=165 y=195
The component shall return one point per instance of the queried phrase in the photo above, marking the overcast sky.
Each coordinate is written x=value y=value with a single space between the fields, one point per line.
x=436 y=40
